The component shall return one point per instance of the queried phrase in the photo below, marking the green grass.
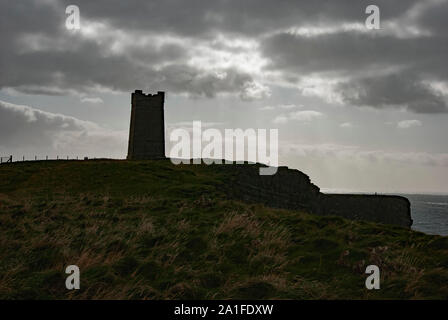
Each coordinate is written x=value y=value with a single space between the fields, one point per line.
x=152 y=230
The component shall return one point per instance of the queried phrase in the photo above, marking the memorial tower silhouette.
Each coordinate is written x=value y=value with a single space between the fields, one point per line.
x=147 y=130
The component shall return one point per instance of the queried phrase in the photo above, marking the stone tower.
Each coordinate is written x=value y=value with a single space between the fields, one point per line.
x=147 y=131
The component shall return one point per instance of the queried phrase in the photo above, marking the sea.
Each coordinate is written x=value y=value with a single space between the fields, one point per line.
x=429 y=212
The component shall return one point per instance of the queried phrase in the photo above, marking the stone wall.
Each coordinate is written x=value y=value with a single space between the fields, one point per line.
x=292 y=189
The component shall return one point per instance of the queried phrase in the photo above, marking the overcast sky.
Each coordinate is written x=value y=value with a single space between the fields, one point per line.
x=357 y=109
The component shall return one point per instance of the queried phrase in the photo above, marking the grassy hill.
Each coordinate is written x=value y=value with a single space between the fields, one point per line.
x=152 y=230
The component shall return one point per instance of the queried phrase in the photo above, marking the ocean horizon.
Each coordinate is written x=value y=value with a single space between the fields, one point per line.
x=429 y=213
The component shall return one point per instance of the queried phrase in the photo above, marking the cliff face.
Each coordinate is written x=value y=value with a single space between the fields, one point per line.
x=288 y=189
x=292 y=189
x=377 y=208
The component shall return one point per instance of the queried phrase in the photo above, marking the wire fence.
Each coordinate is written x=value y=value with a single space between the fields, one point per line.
x=11 y=159
x=5 y=159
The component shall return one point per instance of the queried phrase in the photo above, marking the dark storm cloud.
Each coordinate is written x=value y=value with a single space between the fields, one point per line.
x=250 y=17
x=393 y=90
x=409 y=63
x=79 y=72
x=352 y=51
x=39 y=55
x=434 y=18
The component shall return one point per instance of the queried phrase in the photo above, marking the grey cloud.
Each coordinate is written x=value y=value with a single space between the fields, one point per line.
x=66 y=62
x=434 y=18
x=41 y=72
x=353 y=51
x=355 y=153
x=402 y=90
x=29 y=131
x=383 y=70
x=185 y=78
x=339 y=52
x=250 y=17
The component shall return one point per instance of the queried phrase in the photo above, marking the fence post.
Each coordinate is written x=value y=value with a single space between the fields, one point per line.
x=35 y=158
x=23 y=158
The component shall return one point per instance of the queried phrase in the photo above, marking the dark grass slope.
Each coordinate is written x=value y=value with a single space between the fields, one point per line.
x=152 y=230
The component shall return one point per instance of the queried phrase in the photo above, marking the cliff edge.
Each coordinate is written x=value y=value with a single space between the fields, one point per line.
x=292 y=189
